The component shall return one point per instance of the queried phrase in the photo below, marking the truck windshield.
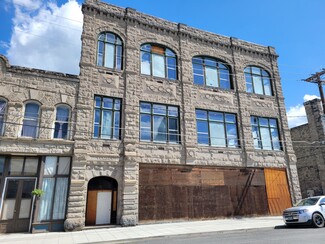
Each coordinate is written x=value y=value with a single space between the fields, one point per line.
x=308 y=201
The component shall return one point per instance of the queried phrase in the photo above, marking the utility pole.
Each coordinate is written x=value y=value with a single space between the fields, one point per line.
x=316 y=78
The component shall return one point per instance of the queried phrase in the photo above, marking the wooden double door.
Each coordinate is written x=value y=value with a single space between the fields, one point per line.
x=17 y=204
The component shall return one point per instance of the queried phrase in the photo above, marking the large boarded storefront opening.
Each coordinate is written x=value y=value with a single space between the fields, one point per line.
x=188 y=192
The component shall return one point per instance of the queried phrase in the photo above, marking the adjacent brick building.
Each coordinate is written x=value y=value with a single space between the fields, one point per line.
x=308 y=143
x=164 y=122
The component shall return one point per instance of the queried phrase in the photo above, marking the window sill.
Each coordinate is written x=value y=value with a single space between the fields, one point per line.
x=106 y=70
x=213 y=89
x=159 y=79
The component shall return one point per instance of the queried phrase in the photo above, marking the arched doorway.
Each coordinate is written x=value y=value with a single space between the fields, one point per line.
x=101 y=201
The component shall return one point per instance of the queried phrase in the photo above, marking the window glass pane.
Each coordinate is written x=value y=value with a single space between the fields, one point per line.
x=26 y=199
x=216 y=116
x=117 y=104
x=254 y=120
x=266 y=138
x=106 y=124
x=267 y=86
x=2 y=164
x=273 y=123
x=30 y=121
x=256 y=70
x=146 y=47
x=3 y=106
x=159 y=129
x=97 y=102
x=201 y=114
x=158 y=65
x=172 y=111
x=107 y=102
x=265 y=73
x=230 y=118
x=249 y=84
x=46 y=199
x=210 y=62
x=264 y=122
x=50 y=165
x=217 y=134
x=101 y=37
x=31 y=165
x=109 y=55
x=171 y=65
x=110 y=37
x=60 y=198
x=202 y=126
x=169 y=53
x=9 y=202
x=116 y=132
x=16 y=166
x=258 y=87
x=275 y=139
x=31 y=110
x=64 y=166
x=211 y=76
x=203 y=138
x=118 y=57
x=173 y=129
x=145 y=127
x=197 y=60
x=159 y=109
x=100 y=53
x=198 y=80
x=224 y=79
x=247 y=70
x=232 y=135
x=256 y=137
x=118 y=40
x=145 y=63
x=145 y=107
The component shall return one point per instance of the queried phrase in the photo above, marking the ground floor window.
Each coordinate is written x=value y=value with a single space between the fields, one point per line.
x=55 y=186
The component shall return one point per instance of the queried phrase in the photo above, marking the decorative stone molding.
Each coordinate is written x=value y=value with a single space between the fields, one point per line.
x=225 y=99
x=164 y=89
x=107 y=80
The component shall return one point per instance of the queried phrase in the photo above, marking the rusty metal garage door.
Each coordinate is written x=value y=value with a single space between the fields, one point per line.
x=185 y=192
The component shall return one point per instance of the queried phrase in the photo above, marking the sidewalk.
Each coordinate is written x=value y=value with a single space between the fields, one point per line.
x=119 y=234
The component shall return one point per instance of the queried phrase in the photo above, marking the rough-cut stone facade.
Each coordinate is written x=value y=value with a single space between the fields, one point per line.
x=308 y=143
x=120 y=159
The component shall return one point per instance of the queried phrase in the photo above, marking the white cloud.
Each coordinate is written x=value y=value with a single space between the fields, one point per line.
x=297 y=114
x=308 y=97
x=46 y=36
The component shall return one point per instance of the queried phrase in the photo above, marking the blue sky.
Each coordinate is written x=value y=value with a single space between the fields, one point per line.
x=46 y=34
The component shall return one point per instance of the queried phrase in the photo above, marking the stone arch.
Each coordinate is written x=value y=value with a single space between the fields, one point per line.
x=101 y=201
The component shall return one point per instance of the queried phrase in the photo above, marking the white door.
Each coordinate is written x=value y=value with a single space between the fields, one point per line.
x=103 y=210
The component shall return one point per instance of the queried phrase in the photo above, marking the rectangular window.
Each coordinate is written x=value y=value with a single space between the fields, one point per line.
x=216 y=128
x=107 y=117
x=158 y=65
x=159 y=123
x=265 y=133
x=55 y=186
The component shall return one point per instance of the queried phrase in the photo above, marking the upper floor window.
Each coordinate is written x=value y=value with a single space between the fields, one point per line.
x=31 y=120
x=158 y=61
x=61 y=125
x=109 y=51
x=257 y=81
x=211 y=72
x=3 y=108
x=265 y=133
x=216 y=128
x=159 y=123
x=107 y=117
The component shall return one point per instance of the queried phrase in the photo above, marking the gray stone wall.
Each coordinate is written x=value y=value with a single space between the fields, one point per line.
x=19 y=85
x=121 y=159
x=309 y=148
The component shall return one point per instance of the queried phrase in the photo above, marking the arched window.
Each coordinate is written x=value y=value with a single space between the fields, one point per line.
x=3 y=108
x=61 y=125
x=211 y=72
x=109 y=51
x=31 y=120
x=258 y=81
x=158 y=61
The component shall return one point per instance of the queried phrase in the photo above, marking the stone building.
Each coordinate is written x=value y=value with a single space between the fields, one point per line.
x=165 y=122
x=308 y=143
x=37 y=118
